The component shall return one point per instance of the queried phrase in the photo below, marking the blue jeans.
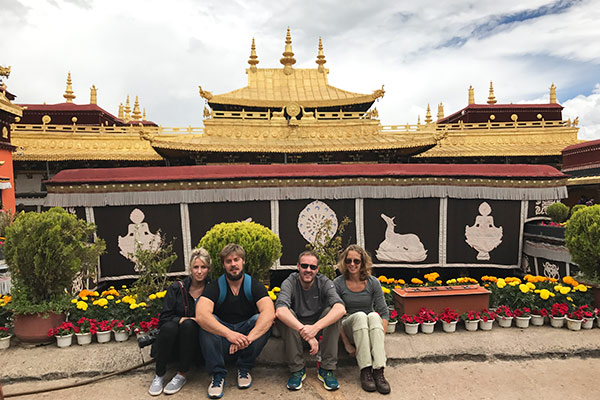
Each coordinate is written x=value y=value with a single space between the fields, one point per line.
x=215 y=347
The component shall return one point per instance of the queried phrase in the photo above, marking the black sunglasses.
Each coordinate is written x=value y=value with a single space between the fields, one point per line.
x=349 y=261
x=313 y=267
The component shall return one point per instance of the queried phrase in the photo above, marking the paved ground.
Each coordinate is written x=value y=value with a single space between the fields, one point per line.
x=502 y=364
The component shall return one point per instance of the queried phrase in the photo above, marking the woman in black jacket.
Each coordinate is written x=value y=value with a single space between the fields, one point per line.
x=178 y=329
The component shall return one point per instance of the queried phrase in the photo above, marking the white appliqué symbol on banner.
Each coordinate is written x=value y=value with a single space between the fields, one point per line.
x=483 y=236
x=399 y=247
x=542 y=205
x=551 y=270
x=138 y=232
x=314 y=219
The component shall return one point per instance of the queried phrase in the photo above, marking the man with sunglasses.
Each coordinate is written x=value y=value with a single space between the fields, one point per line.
x=307 y=305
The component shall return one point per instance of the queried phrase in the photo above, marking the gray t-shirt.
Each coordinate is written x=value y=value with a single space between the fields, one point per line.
x=308 y=305
x=367 y=300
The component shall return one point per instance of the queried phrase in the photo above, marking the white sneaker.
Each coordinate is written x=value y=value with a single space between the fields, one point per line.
x=156 y=387
x=175 y=385
x=215 y=389
x=244 y=380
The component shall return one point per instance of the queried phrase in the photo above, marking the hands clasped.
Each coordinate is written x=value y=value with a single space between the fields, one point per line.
x=309 y=333
x=238 y=341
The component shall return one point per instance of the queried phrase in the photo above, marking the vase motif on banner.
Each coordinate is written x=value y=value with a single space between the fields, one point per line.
x=138 y=234
x=483 y=236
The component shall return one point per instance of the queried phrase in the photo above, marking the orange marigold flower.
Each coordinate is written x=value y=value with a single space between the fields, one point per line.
x=416 y=281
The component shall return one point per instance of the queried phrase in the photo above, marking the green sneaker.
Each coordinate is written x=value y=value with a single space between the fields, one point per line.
x=295 y=381
x=328 y=378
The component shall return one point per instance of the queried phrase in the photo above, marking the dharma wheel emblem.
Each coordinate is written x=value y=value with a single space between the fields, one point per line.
x=293 y=109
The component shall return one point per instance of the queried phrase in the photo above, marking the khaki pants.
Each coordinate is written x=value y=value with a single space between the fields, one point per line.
x=328 y=346
x=367 y=335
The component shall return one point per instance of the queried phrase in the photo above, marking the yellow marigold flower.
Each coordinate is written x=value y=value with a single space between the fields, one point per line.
x=514 y=283
x=382 y=278
x=124 y=287
x=110 y=297
x=438 y=282
x=74 y=301
x=111 y=287
x=82 y=305
x=101 y=302
x=133 y=306
x=267 y=287
x=276 y=289
x=523 y=288
x=84 y=298
x=162 y=294
x=450 y=281
x=117 y=302
x=552 y=294
x=142 y=304
x=152 y=296
x=385 y=290
x=557 y=288
x=105 y=306
x=530 y=285
x=565 y=290
x=95 y=294
x=397 y=287
x=581 y=288
x=272 y=295
x=416 y=281
x=537 y=290
x=390 y=281
x=500 y=283
x=95 y=302
x=544 y=294
x=569 y=298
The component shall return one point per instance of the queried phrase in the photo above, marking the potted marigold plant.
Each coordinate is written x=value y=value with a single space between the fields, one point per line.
x=471 y=319
x=558 y=314
x=522 y=317
x=504 y=316
x=411 y=323
x=63 y=334
x=449 y=319
x=428 y=319
x=487 y=319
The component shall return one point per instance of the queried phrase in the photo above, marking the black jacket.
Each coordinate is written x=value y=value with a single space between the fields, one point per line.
x=174 y=304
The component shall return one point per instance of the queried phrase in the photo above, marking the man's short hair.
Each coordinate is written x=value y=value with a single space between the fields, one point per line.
x=308 y=253
x=230 y=249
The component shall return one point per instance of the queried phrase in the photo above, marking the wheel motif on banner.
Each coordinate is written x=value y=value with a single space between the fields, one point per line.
x=138 y=236
x=317 y=221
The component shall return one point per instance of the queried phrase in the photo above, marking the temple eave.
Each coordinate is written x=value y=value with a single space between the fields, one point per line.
x=277 y=104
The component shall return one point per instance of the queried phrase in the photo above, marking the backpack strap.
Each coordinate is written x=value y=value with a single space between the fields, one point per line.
x=248 y=288
x=183 y=298
x=223 y=289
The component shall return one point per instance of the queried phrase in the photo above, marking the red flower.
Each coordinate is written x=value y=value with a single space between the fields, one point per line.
x=449 y=315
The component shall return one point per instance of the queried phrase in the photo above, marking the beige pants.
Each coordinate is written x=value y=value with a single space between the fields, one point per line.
x=366 y=333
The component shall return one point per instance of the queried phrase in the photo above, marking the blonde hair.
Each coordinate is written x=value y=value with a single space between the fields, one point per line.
x=366 y=264
x=201 y=254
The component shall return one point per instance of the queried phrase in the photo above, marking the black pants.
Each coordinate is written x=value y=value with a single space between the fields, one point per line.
x=179 y=340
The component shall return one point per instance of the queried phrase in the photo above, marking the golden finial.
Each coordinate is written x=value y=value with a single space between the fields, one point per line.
x=136 y=110
x=321 y=57
x=144 y=115
x=253 y=57
x=440 y=113
x=491 y=97
x=127 y=110
x=288 y=55
x=428 y=115
x=120 y=115
x=418 y=120
x=4 y=71
x=69 y=91
x=471 y=95
x=553 y=94
x=93 y=95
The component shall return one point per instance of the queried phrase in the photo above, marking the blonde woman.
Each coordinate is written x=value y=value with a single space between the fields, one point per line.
x=363 y=327
x=179 y=331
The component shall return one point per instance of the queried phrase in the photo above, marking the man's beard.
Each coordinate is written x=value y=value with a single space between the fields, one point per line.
x=232 y=277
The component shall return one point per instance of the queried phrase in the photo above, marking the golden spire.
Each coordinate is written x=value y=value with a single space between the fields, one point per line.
x=428 y=115
x=440 y=113
x=253 y=57
x=127 y=110
x=93 y=95
x=288 y=55
x=471 y=95
x=553 y=94
x=144 y=115
x=321 y=57
x=69 y=91
x=491 y=97
x=136 y=110
x=121 y=116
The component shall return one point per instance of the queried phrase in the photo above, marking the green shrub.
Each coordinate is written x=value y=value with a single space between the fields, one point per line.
x=152 y=266
x=582 y=237
x=262 y=246
x=328 y=248
x=558 y=212
x=44 y=252
x=577 y=207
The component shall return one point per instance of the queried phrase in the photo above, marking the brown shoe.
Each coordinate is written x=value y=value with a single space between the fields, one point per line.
x=382 y=385
x=366 y=379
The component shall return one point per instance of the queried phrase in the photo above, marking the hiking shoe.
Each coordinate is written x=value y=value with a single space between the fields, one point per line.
x=295 y=381
x=328 y=378
x=156 y=387
x=366 y=379
x=244 y=379
x=175 y=385
x=215 y=389
x=383 y=386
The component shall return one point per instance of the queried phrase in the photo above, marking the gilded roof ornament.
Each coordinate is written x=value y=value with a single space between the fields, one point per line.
x=121 y=115
x=288 y=55
x=553 y=94
x=491 y=98
x=471 y=95
x=378 y=93
x=321 y=57
x=127 y=110
x=136 y=110
x=4 y=71
x=93 y=95
x=428 y=115
x=253 y=57
x=205 y=93
x=440 y=113
x=69 y=91
x=144 y=115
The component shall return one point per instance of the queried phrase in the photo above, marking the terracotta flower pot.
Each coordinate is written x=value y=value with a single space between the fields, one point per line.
x=33 y=328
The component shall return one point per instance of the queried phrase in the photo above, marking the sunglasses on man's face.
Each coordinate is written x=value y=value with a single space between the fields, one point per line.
x=349 y=261
x=313 y=267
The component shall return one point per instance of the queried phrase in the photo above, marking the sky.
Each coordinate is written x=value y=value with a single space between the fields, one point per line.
x=424 y=52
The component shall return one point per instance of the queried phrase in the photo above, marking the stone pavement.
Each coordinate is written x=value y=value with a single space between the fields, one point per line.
x=22 y=363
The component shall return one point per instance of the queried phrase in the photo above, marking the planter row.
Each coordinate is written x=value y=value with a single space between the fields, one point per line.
x=86 y=338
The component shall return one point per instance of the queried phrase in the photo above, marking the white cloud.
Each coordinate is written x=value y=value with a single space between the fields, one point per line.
x=587 y=108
